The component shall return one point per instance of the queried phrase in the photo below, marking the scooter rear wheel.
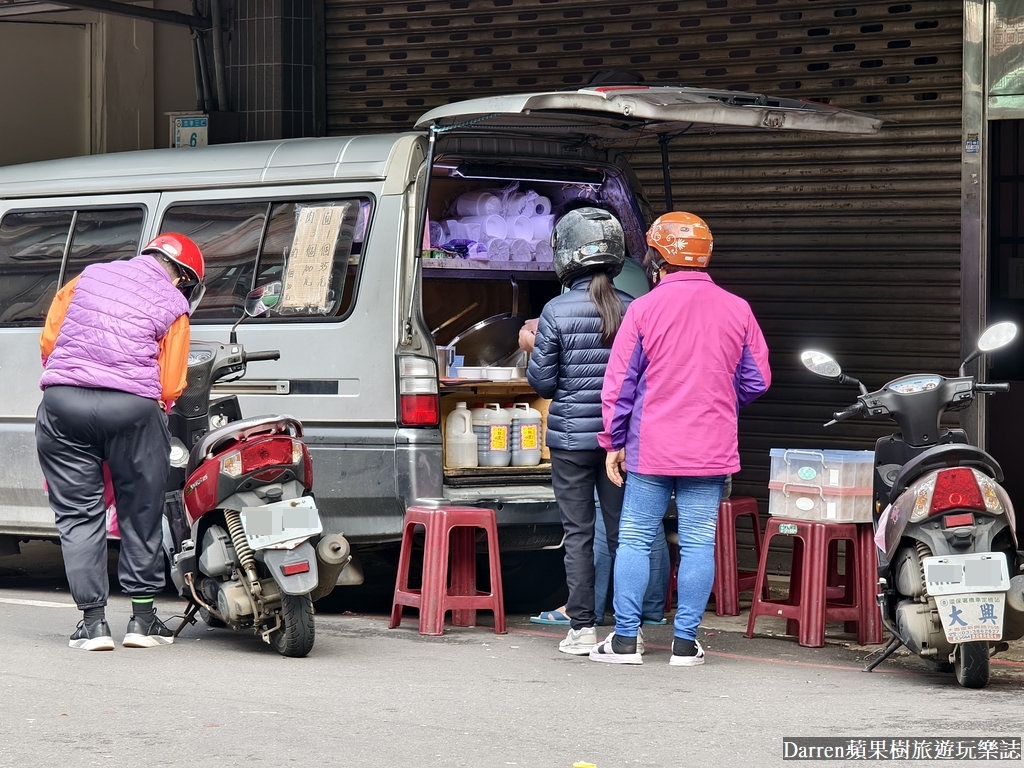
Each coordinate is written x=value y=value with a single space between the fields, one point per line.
x=295 y=638
x=970 y=664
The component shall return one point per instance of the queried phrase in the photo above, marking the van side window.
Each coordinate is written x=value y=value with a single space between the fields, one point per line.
x=313 y=246
x=34 y=244
x=103 y=236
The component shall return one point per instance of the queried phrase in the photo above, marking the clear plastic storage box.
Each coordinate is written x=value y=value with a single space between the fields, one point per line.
x=823 y=469
x=812 y=502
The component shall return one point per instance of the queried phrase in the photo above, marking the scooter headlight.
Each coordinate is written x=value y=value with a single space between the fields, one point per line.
x=179 y=453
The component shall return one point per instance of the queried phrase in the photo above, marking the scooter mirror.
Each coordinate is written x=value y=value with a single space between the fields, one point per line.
x=997 y=336
x=821 y=364
x=261 y=300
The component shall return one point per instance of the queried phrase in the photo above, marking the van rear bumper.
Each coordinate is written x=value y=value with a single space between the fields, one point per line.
x=363 y=481
x=527 y=515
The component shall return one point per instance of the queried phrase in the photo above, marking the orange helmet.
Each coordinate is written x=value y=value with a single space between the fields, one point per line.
x=681 y=239
x=185 y=253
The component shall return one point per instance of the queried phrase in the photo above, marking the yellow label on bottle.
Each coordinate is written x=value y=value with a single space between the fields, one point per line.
x=499 y=437
x=528 y=440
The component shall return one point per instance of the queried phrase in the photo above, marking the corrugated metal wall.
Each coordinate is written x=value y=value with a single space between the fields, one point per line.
x=844 y=244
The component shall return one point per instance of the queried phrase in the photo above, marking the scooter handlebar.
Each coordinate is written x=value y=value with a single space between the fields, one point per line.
x=270 y=354
x=854 y=410
x=993 y=387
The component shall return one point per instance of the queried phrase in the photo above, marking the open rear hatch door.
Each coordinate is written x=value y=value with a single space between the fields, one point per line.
x=618 y=112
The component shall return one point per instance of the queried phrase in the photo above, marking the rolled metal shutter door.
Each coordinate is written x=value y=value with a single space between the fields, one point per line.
x=848 y=244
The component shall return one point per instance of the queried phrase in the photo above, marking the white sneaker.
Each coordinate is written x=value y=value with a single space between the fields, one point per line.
x=641 y=648
x=604 y=652
x=687 y=661
x=579 y=641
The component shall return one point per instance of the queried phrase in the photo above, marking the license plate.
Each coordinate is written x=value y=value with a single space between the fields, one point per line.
x=961 y=574
x=281 y=521
x=973 y=616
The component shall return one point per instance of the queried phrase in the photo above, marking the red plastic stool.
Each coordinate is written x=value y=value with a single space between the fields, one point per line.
x=729 y=579
x=808 y=606
x=449 y=540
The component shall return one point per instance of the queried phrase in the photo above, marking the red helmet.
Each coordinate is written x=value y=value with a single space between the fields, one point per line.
x=185 y=253
x=681 y=239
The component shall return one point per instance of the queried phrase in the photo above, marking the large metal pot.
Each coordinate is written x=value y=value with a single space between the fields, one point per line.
x=494 y=341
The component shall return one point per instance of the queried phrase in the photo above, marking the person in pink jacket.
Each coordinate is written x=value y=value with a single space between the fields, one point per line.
x=688 y=356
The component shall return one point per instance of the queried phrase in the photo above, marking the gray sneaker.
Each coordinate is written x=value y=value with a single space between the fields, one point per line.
x=641 y=647
x=143 y=634
x=92 y=637
x=579 y=641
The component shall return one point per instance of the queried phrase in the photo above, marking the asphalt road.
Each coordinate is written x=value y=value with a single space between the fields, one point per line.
x=373 y=697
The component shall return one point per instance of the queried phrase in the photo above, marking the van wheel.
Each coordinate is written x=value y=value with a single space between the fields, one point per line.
x=533 y=581
x=374 y=595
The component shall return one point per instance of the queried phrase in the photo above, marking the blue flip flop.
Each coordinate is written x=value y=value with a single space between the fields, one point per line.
x=551 y=617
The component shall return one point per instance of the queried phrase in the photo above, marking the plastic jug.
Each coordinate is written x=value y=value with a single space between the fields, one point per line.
x=526 y=438
x=459 y=439
x=492 y=423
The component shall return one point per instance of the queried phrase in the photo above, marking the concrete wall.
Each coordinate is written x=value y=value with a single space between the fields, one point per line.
x=47 y=114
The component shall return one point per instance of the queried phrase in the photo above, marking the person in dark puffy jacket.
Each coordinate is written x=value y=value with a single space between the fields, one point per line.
x=115 y=353
x=570 y=351
x=634 y=281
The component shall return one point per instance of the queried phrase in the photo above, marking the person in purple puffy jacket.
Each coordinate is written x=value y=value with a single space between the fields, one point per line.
x=115 y=357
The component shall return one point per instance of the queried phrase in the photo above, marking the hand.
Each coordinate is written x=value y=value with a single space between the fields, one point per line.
x=527 y=334
x=615 y=466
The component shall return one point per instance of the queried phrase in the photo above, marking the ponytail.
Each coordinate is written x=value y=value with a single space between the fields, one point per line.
x=609 y=306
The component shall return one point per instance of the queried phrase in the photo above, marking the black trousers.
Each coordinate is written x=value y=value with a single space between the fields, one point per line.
x=77 y=430
x=575 y=476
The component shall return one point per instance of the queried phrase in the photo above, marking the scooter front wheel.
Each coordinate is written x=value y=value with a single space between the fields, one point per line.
x=297 y=632
x=970 y=664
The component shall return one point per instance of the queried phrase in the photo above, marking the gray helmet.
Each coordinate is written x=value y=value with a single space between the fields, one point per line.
x=587 y=240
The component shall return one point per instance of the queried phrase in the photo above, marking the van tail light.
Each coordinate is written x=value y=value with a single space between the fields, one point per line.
x=418 y=399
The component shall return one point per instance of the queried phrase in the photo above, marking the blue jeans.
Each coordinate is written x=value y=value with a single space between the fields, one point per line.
x=643 y=508
x=657 y=590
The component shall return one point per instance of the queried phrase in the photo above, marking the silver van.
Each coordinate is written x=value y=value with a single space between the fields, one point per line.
x=408 y=301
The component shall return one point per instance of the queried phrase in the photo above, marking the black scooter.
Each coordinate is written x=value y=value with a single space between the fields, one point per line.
x=951 y=575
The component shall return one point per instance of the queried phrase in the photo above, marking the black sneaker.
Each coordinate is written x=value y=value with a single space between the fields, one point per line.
x=140 y=635
x=92 y=637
